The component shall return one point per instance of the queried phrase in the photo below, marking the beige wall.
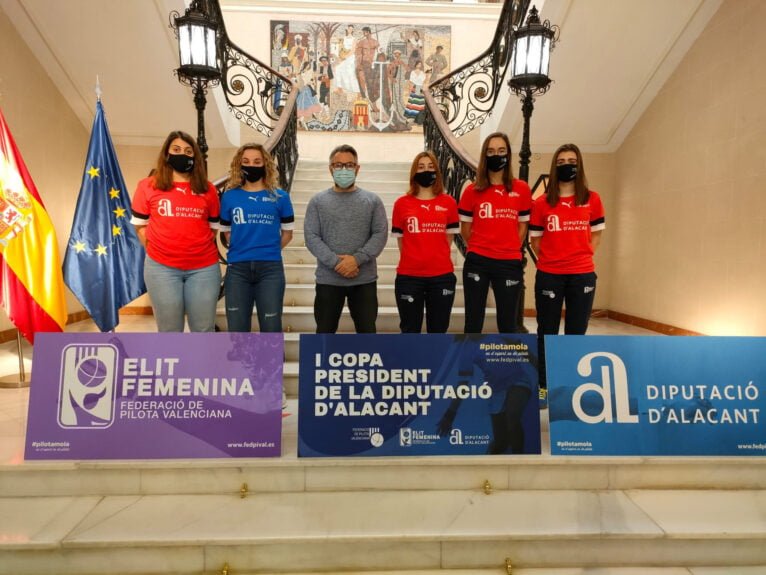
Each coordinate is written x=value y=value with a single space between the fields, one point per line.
x=52 y=141
x=688 y=240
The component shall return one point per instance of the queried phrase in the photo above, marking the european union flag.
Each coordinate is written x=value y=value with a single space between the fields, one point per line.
x=104 y=262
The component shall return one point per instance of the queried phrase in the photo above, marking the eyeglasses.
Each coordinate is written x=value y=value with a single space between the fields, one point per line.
x=346 y=166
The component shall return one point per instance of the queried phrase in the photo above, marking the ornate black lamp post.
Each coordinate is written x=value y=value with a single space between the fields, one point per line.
x=532 y=45
x=198 y=34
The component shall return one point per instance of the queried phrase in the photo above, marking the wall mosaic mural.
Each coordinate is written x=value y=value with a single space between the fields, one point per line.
x=359 y=77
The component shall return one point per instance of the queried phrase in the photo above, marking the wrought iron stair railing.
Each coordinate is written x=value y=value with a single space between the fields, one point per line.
x=463 y=100
x=262 y=99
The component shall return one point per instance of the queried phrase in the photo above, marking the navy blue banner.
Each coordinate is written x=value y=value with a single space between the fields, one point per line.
x=656 y=395
x=407 y=394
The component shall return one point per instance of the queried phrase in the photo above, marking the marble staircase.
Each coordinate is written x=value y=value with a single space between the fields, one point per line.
x=375 y=516
x=388 y=516
x=389 y=180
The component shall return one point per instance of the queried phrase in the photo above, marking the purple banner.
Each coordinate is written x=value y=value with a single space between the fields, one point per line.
x=155 y=395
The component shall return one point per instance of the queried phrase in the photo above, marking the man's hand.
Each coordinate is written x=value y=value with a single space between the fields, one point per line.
x=347 y=266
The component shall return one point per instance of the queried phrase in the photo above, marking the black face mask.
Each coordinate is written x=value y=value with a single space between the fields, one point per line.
x=425 y=179
x=566 y=172
x=496 y=163
x=253 y=173
x=181 y=163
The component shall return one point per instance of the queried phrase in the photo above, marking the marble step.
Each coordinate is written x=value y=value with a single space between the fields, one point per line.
x=413 y=475
x=307 y=166
x=305 y=273
x=393 y=530
x=292 y=352
x=300 y=205
x=321 y=176
x=299 y=254
x=299 y=239
x=303 y=295
x=301 y=319
x=289 y=474
x=740 y=570
x=300 y=218
x=388 y=191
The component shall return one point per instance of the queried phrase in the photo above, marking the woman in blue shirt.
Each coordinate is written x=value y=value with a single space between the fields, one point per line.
x=257 y=218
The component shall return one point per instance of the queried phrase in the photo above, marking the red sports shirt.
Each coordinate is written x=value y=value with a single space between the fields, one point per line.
x=565 y=232
x=178 y=224
x=424 y=226
x=495 y=215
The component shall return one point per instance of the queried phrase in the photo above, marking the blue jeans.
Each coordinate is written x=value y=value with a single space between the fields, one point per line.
x=176 y=293
x=260 y=283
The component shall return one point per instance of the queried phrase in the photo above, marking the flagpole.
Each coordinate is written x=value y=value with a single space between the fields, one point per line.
x=18 y=380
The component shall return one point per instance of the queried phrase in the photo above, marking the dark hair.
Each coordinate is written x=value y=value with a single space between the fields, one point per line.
x=367 y=29
x=581 y=182
x=163 y=177
x=344 y=148
x=482 y=172
x=438 y=184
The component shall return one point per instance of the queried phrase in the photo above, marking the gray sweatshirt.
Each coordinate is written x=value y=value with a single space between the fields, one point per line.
x=345 y=223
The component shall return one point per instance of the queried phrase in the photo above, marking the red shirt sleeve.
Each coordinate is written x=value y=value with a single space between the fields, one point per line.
x=453 y=219
x=397 y=225
x=465 y=207
x=140 y=205
x=597 y=219
x=213 y=205
x=537 y=218
x=525 y=200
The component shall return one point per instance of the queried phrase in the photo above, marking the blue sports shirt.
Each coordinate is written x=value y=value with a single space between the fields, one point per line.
x=256 y=221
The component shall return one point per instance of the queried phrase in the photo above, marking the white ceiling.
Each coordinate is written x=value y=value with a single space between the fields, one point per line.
x=612 y=58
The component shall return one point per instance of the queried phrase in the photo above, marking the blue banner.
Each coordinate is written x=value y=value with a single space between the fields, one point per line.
x=411 y=394
x=656 y=395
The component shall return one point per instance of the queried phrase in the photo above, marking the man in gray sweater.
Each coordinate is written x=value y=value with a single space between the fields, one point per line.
x=346 y=229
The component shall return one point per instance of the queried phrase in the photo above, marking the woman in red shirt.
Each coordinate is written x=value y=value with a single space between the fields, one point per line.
x=424 y=222
x=175 y=212
x=565 y=231
x=494 y=211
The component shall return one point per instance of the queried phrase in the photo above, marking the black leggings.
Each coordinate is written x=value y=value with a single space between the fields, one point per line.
x=552 y=291
x=505 y=277
x=436 y=294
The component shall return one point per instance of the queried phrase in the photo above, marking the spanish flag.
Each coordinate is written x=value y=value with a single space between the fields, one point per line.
x=30 y=270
